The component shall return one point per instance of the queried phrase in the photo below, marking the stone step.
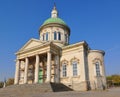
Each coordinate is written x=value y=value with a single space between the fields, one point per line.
x=34 y=88
x=60 y=87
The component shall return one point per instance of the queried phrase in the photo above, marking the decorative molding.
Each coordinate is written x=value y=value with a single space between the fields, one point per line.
x=97 y=60
x=74 y=59
x=64 y=61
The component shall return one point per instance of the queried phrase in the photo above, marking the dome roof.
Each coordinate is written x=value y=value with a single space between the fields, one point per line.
x=54 y=20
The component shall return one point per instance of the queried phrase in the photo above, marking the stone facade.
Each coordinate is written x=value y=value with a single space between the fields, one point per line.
x=52 y=59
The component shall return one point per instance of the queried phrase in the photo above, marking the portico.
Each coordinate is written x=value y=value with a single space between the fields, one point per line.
x=38 y=68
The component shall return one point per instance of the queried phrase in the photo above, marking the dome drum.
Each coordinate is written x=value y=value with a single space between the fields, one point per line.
x=54 y=25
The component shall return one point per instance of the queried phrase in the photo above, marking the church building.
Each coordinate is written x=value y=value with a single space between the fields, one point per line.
x=51 y=59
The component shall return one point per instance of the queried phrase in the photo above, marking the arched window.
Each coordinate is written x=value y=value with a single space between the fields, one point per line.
x=97 y=67
x=74 y=66
x=59 y=36
x=47 y=36
x=55 y=35
x=64 y=70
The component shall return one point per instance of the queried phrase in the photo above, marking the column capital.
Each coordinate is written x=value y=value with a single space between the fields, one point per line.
x=49 y=51
x=26 y=57
x=37 y=54
x=17 y=60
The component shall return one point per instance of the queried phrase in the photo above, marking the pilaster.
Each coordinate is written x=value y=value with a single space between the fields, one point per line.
x=57 y=72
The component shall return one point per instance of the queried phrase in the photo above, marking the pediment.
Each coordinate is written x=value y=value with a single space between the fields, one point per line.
x=30 y=44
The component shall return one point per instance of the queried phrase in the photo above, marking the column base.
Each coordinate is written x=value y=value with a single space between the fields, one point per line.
x=36 y=83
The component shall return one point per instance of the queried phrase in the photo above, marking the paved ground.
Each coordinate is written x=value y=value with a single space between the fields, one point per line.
x=113 y=92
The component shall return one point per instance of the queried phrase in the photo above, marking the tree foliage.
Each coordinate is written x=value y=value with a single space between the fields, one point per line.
x=10 y=81
x=1 y=84
x=113 y=80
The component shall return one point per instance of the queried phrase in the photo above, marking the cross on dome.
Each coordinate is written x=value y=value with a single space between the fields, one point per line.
x=54 y=13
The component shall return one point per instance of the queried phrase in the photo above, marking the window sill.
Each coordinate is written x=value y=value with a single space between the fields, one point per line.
x=98 y=76
x=76 y=76
x=64 y=77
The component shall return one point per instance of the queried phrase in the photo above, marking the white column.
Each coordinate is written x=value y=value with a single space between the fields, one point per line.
x=48 y=66
x=63 y=37
x=57 y=69
x=16 y=81
x=44 y=36
x=26 y=70
x=50 y=36
x=37 y=68
x=57 y=36
x=41 y=37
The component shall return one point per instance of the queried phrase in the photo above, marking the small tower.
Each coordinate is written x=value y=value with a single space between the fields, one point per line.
x=54 y=13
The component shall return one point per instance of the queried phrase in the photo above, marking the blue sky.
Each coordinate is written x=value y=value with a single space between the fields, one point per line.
x=95 y=21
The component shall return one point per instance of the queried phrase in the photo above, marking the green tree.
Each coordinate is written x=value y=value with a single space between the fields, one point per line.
x=113 y=80
x=10 y=81
x=1 y=84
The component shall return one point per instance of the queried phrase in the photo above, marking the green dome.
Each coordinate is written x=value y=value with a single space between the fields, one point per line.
x=54 y=20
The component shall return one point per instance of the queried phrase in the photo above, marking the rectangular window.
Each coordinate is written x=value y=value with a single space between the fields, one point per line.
x=47 y=36
x=59 y=36
x=55 y=36
x=64 y=70
x=74 y=64
x=97 y=69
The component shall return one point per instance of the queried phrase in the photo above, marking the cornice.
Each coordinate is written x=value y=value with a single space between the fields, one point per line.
x=33 y=48
x=84 y=43
x=97 y=51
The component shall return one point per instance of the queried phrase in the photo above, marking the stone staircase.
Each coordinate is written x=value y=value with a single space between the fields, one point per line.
x=33 y=89
x=60 y=87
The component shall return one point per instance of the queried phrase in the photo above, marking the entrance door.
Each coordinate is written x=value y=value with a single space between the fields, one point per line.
x=40 y=76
